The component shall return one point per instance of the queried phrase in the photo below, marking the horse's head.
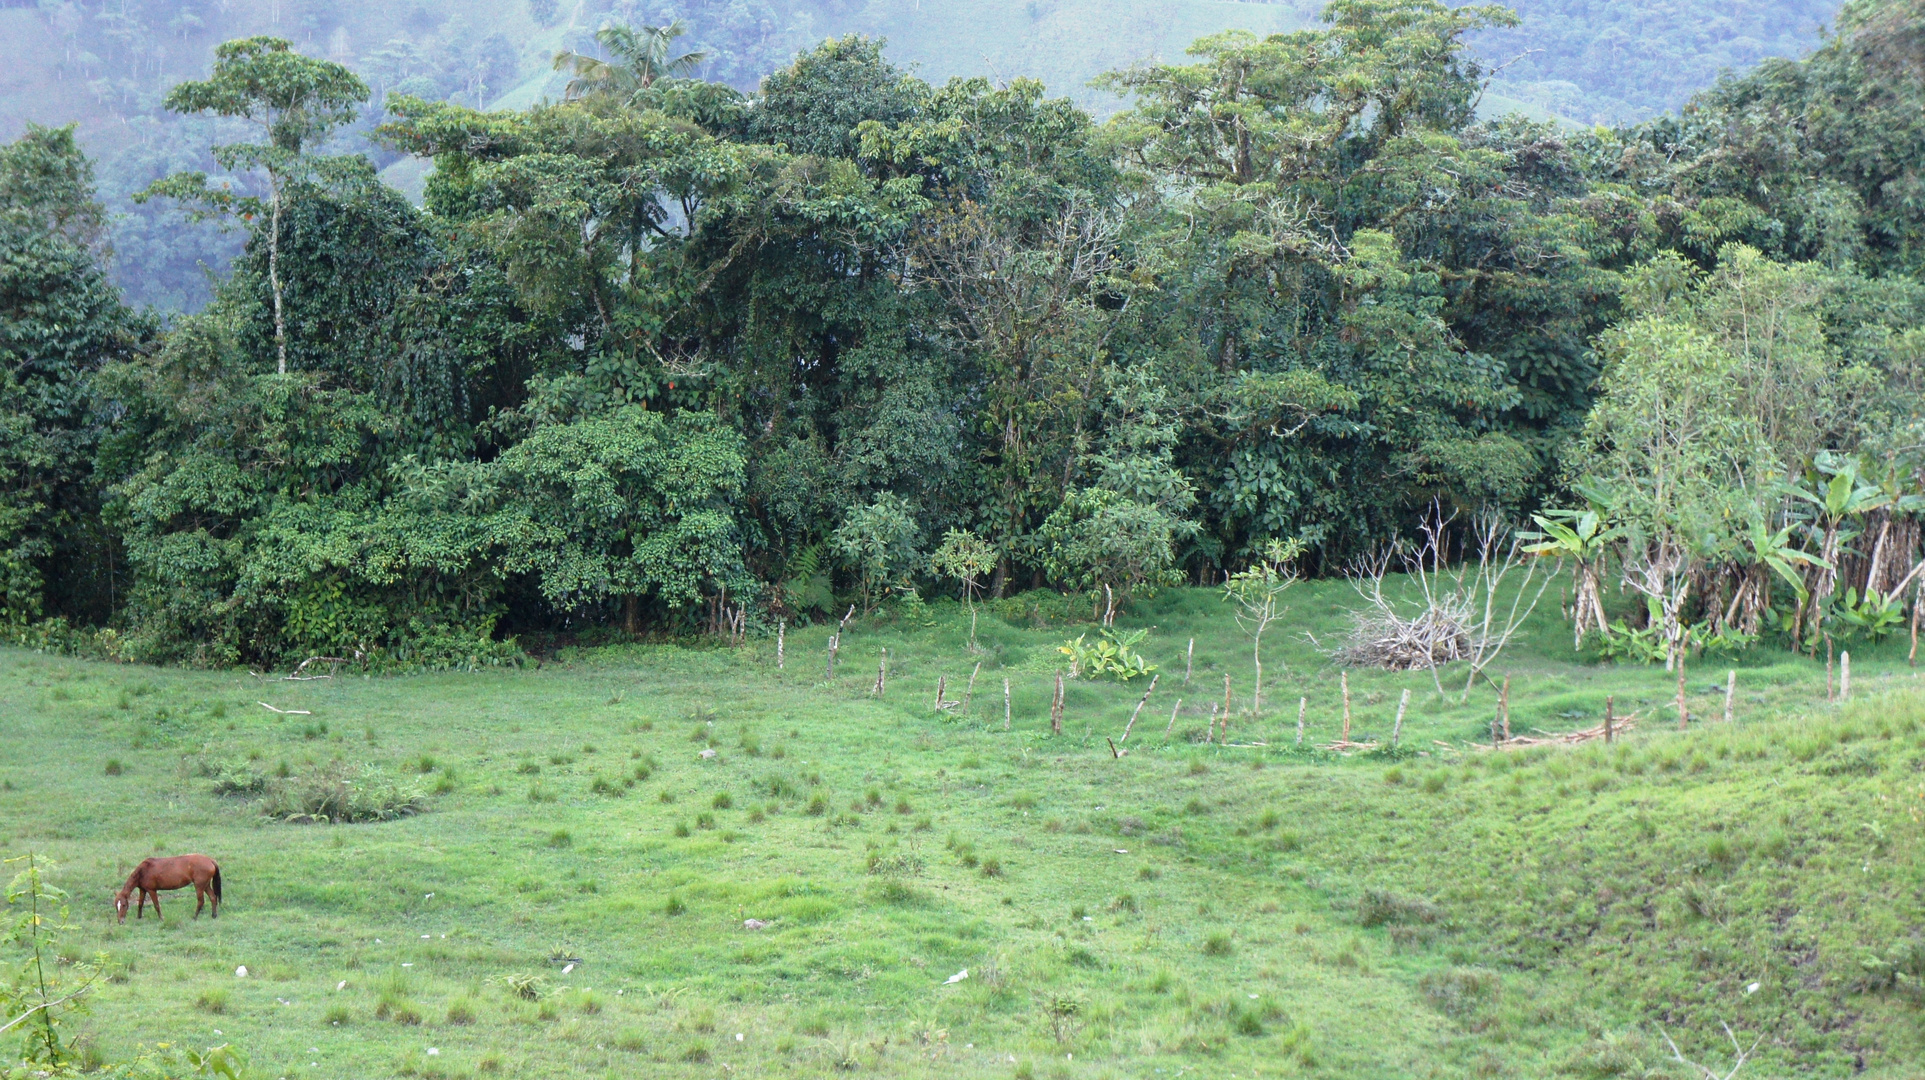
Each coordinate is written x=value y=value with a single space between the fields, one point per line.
x=120 y=903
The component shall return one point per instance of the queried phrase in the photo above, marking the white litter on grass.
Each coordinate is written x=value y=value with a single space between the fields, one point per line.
x=340 y=986
x=1751 y=989
x=568 y=969
x=706 y=754
x=957 y=977
x=753 y=924
x=425 y=937
x=407 y=965
x=1121 y=851
x=430 y=896
x=432 y=1052
x=738 y=1036
x=241 y=972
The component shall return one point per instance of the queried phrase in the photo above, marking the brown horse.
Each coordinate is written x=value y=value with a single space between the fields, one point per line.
x=153 y=876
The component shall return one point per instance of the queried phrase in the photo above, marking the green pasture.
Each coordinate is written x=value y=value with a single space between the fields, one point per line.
x=573 y=900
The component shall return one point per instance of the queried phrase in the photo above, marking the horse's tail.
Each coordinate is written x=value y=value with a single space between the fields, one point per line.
x=217 y=883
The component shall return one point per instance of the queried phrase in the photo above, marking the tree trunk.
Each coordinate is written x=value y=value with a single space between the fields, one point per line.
x=274 y=269
x=1256 y=694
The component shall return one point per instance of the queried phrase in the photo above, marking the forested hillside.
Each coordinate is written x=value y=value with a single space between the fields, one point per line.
x=669 y=357
x=108 y=63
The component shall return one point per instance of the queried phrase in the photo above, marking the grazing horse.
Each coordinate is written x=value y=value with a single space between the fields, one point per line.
x=153 y=876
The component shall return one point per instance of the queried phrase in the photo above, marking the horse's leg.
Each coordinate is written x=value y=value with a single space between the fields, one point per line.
x=140 y=910
x=155 y=893
x=200 y=898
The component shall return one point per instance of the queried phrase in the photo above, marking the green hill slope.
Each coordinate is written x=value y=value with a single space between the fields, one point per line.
x=1243 y=909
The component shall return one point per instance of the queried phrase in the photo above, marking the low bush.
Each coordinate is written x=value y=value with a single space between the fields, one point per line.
x=338 y=793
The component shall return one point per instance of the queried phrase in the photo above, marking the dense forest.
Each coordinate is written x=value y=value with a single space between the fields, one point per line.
x=671 y=357
x=108 y=64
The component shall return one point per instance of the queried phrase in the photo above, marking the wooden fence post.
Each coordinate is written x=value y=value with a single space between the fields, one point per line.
x=1189 y=657
x=970 y=694
x=1226 y=708
x=1056 y=708
x=1730 y=691
x=1005 y=703
x=1343 y=680
x=1610 y=702
x=1684 y=713
x=780 y=629
x=1504 y=707
x=1844 y=676
x=1302 y=704
x=1172 y=728
x=1397 y=729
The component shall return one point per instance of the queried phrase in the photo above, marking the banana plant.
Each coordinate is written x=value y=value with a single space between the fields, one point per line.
x=1847 y=495
x=1872 y=616
x=1582 y=537
x=1768 y=553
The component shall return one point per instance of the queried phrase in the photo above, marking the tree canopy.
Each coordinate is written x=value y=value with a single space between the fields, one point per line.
x=664 y=348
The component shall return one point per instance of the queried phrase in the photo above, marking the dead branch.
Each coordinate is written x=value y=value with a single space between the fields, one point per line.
x=1139 y=708
x=283 y=712
x=333 y=661
x=1738 y=1062
x=1612 y=728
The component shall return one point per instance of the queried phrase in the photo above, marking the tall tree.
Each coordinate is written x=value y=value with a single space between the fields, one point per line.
x=60 y=320
x=295 y=100
x=642 y=55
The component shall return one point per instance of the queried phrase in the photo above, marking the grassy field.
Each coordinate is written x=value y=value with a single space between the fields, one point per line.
x=573 y=900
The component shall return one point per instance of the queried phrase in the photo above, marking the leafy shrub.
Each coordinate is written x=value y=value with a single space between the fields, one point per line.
x=524 y=985
x=1112 y=654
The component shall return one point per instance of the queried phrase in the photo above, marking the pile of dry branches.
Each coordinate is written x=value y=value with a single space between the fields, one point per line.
x=1618 y=726
x=1466 y=610
x=1381 y=637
